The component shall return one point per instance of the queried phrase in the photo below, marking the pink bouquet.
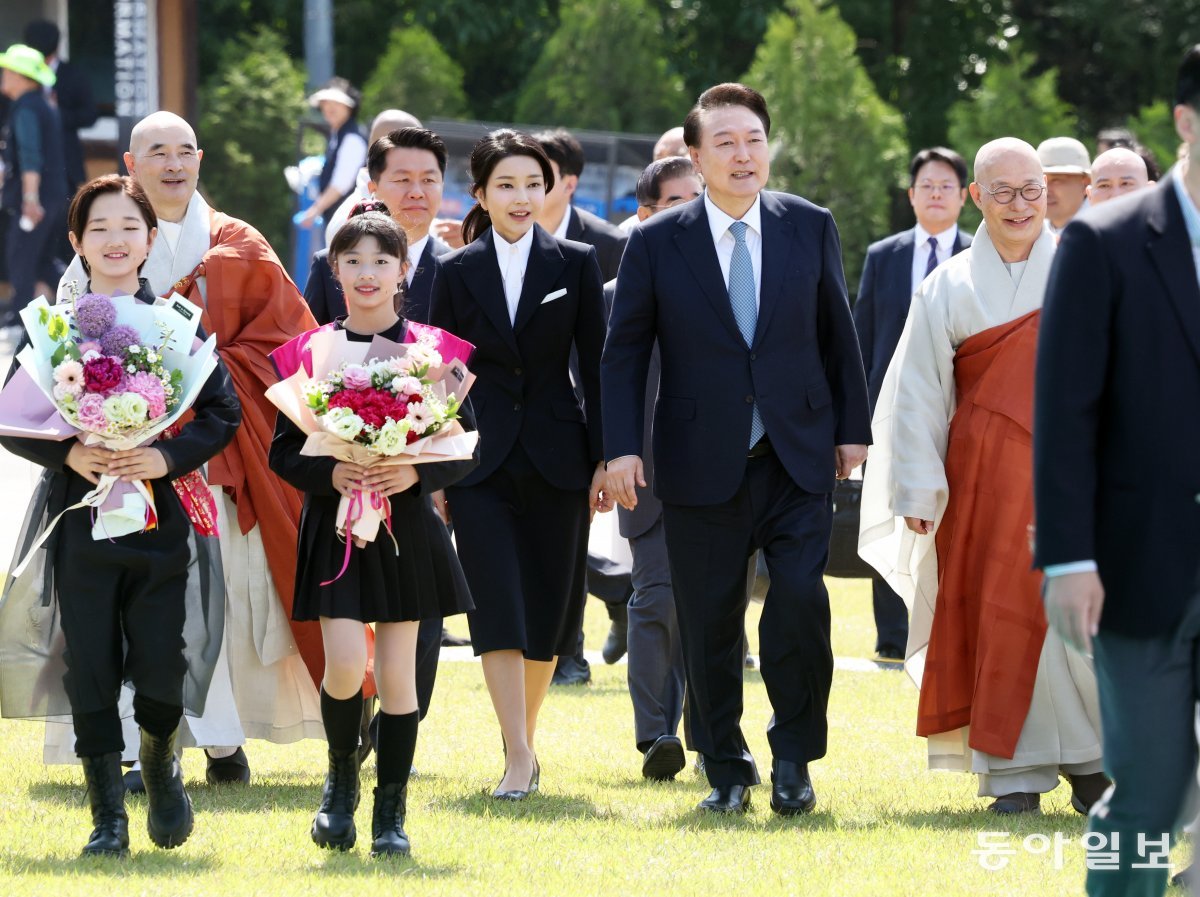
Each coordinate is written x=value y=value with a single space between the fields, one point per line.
x=363 y=402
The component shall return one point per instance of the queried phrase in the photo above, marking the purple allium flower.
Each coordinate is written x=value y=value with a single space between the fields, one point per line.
x=118 y=339
x=94 y=315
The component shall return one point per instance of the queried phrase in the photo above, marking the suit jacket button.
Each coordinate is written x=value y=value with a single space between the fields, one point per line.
x=754 y=356
x=749 y=400
x=517 y=407
x=1198 y=498
x=518 y=372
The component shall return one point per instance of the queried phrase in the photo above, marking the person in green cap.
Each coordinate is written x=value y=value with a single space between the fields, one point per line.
x=35 y=185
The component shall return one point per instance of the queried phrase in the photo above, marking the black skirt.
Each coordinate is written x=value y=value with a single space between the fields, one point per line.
x=416 y=578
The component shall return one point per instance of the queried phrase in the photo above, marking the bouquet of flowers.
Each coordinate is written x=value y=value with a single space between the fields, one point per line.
x=363 y=402
x=110 y=371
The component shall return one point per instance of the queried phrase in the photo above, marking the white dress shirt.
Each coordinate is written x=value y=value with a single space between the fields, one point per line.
x=945 y=248
x=560 y=232
x=512 y=259
x=724 y=242
x=414 y=257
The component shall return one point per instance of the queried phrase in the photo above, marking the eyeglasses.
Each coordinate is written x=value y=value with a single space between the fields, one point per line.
x=925 y=187
x=1005 y=195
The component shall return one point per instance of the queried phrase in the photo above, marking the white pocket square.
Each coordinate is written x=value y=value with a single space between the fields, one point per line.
x=557 y=294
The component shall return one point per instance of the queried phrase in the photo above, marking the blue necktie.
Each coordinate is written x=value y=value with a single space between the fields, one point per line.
x=933 y=262
x=745 y=308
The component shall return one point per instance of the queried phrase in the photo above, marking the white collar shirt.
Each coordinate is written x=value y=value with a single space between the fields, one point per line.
x=723 y=240
x=945 y=248
x=560 y=232
x=415 y=251
x=512 y=259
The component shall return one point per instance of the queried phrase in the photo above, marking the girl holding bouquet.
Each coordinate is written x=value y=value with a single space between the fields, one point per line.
x=521 y=518
x=391 y=584
x=121 y=601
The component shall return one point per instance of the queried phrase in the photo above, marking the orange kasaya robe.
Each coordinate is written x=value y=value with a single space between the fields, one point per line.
x=989 y=624
x=253 y=307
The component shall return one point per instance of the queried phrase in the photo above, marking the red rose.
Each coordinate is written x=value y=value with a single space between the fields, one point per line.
x=102 y=374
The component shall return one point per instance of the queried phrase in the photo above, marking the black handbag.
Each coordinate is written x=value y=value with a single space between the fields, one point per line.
x=844 y=562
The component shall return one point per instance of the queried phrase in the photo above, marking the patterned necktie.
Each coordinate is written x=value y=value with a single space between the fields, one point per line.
x=933 y=259
x=745 y=308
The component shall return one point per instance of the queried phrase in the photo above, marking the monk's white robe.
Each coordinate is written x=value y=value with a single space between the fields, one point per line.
x=905 y=477
x=261 y=687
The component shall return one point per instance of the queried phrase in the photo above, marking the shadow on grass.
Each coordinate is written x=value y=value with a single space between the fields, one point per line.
x=537 y=806
x=149 y=862
x=359 y=862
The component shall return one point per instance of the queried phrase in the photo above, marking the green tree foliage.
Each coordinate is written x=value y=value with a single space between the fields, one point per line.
x=603 y=68
x=415 y=74
x=712 y=41
x=1154 y=127
x=1010 y=102
x=250 y=108
x=836 y=142
x=496 y=44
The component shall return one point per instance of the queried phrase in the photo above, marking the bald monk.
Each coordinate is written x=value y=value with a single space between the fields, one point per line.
x=948 y=501
x=267 y=686
x=1116 y=172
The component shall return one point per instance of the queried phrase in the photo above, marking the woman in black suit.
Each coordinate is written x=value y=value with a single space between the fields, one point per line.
x=521 y=518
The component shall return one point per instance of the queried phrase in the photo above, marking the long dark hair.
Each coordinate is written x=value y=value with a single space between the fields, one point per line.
x=371 y=219
x=486 y=155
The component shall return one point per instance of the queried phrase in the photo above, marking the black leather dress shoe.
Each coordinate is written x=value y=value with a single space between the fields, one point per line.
x=664 y=759
x=572 y=670
x=449 y=640
x=791 y=789
x=617 y=643
x=727 y=799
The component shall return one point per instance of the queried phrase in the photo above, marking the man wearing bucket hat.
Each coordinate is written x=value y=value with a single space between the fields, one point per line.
x=1068 y=171
x=35 y=185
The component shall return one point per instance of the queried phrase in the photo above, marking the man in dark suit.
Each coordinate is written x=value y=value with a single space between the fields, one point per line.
x=406 y=169
x=762 y=403
x=1117 y=492
x=566 y=221
x=894 y=268
x=656 y=677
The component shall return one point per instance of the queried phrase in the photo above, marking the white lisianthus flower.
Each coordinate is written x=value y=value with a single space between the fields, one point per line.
x=126 y=410
x=343 y=423
x=392 y=437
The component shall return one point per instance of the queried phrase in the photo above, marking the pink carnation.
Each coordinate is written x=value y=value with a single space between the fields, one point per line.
x=150 y=388
x=91 y=412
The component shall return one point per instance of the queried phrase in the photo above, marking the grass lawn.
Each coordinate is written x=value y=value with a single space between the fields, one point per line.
x=884 y=824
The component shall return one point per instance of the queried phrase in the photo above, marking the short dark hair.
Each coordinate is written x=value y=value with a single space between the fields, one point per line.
x=81 y=204
x=43 y=36
x=563 y=149
x=1187 y=83
x=1116 y=137
x=404 y=138
x=728 y=94
x=487 y=154
x=649 y=185
x=938 y=154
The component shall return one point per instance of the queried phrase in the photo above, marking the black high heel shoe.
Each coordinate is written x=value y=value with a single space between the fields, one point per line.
x=518 y=794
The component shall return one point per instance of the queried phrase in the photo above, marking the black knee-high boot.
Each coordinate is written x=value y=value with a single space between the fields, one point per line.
x=169 y=819
x=106 y=796
x=334 y=824
x=394 y=756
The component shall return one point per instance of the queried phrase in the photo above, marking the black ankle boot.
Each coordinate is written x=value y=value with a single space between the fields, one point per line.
x=387 y=822
x=106 y=796
x=334 y=825
x=169 y=819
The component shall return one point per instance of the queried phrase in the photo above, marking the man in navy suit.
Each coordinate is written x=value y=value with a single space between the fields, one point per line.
x=1117 y=493
x=894 y=269
x=762 y=403
x=406 y=169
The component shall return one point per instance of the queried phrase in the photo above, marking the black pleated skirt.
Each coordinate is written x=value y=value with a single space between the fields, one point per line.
x=417 y=578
